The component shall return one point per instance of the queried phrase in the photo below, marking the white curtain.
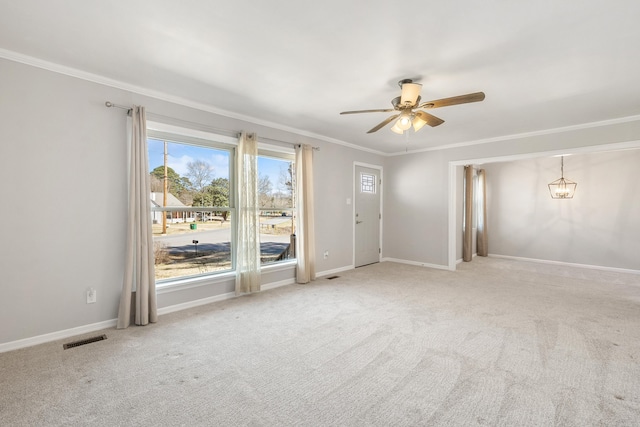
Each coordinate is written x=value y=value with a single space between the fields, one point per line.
x=139 y=274
x=305 y=241
x=248 y=243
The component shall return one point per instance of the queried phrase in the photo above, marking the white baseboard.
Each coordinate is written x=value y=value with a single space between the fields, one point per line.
x=107 y=324
x=419 y=264
x=321 y=274
x=567 y=264
x=218 y=298
x=195 y=303
x=460 y=260
x=54 y=336
x=278 y=284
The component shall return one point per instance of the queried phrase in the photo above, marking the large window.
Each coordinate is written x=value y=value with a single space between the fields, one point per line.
x=275 y=193
x=193 y=218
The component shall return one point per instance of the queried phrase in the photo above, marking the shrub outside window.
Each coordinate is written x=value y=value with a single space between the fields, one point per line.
x=193 y=221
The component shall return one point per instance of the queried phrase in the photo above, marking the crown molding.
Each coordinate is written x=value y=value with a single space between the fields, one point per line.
x=117 y=84
x=522 y=135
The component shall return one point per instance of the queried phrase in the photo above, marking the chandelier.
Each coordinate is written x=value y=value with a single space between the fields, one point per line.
x=562 y=188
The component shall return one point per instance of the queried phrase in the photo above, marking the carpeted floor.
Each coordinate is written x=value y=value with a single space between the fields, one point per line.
x=497 y=343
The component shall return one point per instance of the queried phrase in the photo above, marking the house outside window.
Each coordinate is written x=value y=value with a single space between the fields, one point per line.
x=197 y=235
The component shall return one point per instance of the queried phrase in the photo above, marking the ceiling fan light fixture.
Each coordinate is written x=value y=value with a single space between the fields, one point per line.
x=418 y=123
x=404 y=122
x=405 y=105
x=410 y=93
x=396 y=129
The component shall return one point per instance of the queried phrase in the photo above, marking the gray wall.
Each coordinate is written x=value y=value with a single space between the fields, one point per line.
x=600 y=226
x=62 y=175
x=417 y=206
x=63 y=180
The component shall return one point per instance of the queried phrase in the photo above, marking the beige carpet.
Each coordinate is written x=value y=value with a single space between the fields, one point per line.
x=497 y=343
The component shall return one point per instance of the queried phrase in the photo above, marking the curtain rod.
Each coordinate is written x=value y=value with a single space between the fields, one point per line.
x=110 y=104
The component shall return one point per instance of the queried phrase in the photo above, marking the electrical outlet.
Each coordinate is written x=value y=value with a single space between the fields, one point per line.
x=91 y=296
x=326 y=254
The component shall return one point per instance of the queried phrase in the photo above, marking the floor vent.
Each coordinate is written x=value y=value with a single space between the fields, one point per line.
x=332 y=277
x=84 y=341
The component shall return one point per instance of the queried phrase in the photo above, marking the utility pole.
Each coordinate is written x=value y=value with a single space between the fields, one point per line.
x=166 y=187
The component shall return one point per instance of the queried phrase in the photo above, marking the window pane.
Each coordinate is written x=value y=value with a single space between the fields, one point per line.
x=275 y=237
x=193 y=247
x=367 y=183
x=189 y=241
x=275 y=193
x=275 y=183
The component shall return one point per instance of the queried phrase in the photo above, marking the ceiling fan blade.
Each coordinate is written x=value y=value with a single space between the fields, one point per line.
x=429 y=119
x=384 y=123
x=386 y=110
x=454 y=100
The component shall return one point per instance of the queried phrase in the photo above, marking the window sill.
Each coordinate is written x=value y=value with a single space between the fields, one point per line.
x=194 y=282
x=278 y=266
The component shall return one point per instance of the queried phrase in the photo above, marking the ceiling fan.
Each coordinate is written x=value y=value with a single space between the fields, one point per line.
x=409 y=111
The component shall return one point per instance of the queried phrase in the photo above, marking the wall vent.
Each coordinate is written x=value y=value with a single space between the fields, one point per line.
x=84 y=341
x=332 y=277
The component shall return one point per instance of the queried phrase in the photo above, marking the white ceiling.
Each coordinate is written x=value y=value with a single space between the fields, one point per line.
x=295 y=64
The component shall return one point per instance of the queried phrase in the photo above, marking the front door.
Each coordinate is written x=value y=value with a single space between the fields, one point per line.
x=367 y=216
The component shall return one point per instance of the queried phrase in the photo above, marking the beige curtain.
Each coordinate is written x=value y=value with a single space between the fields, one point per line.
x=467 y=241
x=139 y=275
x=483 y=247
x=305 y=242
x=248 y=242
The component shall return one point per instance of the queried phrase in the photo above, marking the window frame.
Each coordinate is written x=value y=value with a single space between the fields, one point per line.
x=282 y=155
x=180 y=135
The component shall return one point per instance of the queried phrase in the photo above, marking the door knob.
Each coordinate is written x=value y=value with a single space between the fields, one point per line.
x=358 y=222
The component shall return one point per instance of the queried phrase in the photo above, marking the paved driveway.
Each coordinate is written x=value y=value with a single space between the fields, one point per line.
x=219 y=241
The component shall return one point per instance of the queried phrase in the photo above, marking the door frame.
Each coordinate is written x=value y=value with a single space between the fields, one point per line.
x=353 y=207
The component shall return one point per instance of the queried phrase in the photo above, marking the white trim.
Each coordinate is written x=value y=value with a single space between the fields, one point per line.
x=615 y=146
x=117 y=84
x=521 y=135
x=278 y=284
x=289 y=264
x=453 y=182
x=353 y=206
x=322 y=274
x=627 y=145
x=288 y=152
x=194 y=282
x=211 y=135
x=220 y=297
x=196 y=303
x=179 y=131
x=417 y=263
x=58 y=335
x=567 y=264
x=109 y=324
